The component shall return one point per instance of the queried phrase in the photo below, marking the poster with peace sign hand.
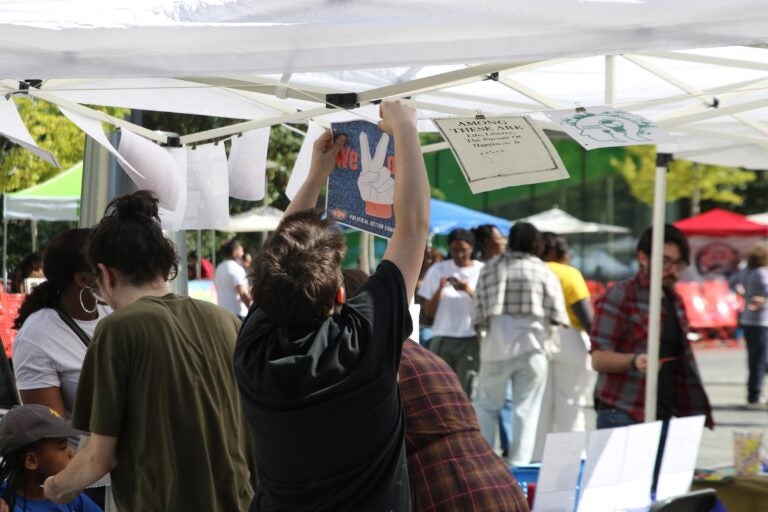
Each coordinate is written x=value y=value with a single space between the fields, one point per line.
x=361 y=187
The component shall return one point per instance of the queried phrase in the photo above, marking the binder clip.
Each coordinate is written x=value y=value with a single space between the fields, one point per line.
x=579 y=108
x=479 y=114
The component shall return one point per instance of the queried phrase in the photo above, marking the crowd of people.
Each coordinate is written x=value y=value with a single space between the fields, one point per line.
x=303 y=390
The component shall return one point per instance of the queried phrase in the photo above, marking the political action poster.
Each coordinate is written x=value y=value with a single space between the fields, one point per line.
x=361 y=188
x=499 y=152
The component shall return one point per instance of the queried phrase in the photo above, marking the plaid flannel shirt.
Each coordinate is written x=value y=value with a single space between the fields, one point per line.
x=518 y=284
x=450 y=464
x=621 y=325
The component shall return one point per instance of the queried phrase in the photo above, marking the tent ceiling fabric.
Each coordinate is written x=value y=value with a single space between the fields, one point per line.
x=166 y=38
x=268 y=63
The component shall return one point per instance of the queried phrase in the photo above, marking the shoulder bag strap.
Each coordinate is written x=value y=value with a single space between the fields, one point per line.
x=73 y=325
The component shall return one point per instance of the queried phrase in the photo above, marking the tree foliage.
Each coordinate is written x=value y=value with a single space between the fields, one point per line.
x=19 y=168
x=725 y=185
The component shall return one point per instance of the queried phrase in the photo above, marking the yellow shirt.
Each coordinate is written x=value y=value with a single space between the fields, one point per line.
x=574 y=288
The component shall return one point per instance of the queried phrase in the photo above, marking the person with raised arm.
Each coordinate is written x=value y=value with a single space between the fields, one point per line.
x=318 y=373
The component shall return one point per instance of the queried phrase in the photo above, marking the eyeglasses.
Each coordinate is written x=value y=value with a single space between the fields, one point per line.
x=668 y=263
x=96 y=292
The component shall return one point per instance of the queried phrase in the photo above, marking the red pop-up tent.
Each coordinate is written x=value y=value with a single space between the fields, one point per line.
x=719 y=222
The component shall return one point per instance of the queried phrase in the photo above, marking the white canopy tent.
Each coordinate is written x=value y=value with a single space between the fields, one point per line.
x=761 y=218
x=271 y=62
x=557 y=221
x=262 y=218
x=278 y=62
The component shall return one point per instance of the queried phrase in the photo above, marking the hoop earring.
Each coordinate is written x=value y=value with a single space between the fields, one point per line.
x=82 y=304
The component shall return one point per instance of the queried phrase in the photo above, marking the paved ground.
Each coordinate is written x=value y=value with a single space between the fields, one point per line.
x=724 y=372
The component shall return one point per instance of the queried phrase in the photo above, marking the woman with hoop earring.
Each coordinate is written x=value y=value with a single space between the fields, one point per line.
x=55 y=325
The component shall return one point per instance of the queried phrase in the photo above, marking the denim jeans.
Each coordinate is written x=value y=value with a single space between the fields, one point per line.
x=611 y=418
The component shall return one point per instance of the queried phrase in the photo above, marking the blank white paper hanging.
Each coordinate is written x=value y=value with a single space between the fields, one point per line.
x=304 y=158
x=207 y=188
x=160 y=173
x=12 y=127
x=248 y=165
x=93 y=129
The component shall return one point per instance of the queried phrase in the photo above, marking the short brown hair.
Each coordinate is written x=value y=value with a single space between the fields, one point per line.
x=297 y=273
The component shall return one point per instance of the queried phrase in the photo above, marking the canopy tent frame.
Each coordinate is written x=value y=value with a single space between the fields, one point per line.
x=499 y=72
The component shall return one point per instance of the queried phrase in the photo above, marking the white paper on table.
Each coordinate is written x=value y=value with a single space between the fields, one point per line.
x=159 y=170
x=559 y=474
x=602 y=470
x=207 y=188
x=93 y=129
x=415 y=310
x=637 y=469
x=679 y=460
x=607 y=127
x=499 y=152
x=12 y=127
x=303 y=159
x=172 y=218
x=248 y=165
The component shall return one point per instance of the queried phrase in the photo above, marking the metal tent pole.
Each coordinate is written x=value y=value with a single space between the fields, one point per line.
x=654 y=309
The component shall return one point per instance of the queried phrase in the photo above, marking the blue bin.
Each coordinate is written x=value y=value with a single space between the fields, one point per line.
x=525 y=475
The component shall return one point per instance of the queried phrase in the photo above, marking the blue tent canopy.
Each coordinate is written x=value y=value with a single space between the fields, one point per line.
x=446 y=216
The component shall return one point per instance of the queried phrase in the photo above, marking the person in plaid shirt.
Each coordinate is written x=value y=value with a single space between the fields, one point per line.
x=450 y=464
x=518 y=300
x=619 y=343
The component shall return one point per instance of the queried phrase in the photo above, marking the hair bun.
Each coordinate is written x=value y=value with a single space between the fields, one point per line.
x=140 y=205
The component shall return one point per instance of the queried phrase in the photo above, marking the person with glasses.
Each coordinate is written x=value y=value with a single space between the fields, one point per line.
x=619 y=343
x=157 y=388
x=447 y=291
x=56 y=322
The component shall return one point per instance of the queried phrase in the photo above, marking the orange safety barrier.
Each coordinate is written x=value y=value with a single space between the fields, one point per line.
x=710 y=304
x=9 y=307
x=596 y=290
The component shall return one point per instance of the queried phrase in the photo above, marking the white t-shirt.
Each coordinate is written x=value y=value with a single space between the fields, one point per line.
x=47 y=353
x=228 y=275
x=453 y=312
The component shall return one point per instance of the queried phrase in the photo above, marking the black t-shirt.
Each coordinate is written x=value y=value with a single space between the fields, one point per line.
x=671 y=348
x=325 y=410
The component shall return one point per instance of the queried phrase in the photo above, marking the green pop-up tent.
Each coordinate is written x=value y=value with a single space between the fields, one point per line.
x=57 y=199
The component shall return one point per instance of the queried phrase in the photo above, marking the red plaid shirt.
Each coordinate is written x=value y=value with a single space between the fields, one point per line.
x=450 y=465
x=621 y=325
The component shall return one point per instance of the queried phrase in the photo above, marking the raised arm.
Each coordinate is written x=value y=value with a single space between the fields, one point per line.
x=324 y=152
x=411 y=202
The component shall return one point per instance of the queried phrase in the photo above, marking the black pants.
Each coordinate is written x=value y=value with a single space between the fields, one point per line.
x=756 y=337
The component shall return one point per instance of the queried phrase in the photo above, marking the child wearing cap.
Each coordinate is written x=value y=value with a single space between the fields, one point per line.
x=34 y=446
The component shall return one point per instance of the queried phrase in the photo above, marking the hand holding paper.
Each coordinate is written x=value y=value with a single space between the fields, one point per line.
x=324 y=152
x=376 y=185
